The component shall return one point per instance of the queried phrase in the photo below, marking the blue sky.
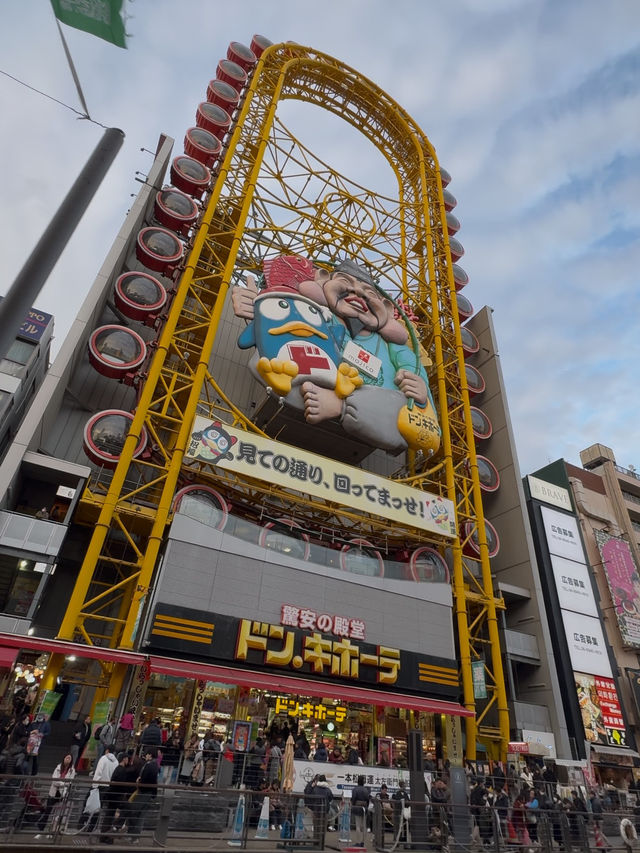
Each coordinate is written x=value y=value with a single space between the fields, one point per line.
x=532 y=106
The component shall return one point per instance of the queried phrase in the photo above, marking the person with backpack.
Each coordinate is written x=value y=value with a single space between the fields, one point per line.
x=105 y=736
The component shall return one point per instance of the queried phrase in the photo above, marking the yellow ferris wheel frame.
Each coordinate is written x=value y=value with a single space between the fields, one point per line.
x=130 y=520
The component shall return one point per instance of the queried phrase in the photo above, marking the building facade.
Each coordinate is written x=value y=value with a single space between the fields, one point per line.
x=537 y=715
x=589 y=567
x=261 y=423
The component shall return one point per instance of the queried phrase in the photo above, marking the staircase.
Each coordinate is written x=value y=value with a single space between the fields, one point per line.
x=55 y=746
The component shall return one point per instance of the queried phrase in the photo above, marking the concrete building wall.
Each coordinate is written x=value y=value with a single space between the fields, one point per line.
x=515 y=564
x=205 y=569
x=53 y=419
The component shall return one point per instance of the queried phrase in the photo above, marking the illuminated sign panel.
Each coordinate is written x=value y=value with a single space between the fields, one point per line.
x=310 y=710
x=600 y=710
x=265 y=459
x=217 y=638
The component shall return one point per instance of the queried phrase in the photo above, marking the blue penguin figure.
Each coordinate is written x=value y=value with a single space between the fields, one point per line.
x=295 y=340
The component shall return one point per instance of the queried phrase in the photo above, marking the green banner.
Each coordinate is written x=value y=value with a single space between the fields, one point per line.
x=102 y=18
x=49 y=702
x=101 y=713
x=479 y=682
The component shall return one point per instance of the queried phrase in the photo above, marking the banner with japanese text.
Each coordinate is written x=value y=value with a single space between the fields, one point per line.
x=286 y=650
x=284 y=465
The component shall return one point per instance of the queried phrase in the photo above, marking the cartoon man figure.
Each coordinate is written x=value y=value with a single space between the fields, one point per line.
x=391 y=372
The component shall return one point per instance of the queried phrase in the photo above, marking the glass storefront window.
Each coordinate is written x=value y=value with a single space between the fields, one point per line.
x=19 y=581
x=20 y=351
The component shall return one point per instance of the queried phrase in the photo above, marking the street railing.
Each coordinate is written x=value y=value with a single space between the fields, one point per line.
x=410 y=825
x=203 y=817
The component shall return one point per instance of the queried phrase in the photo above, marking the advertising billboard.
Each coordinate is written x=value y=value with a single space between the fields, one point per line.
x=284 y=465
x=624 y=585
x=573 y=585
x=587 y=647
x=600 y=710
x=563 y=537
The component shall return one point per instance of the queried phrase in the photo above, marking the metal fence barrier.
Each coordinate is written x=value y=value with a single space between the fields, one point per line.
x=184 y=817
x=179 y=816
x=401 y=825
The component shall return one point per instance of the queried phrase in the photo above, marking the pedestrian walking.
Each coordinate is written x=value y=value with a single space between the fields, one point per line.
x=145 y=794
x=115 y=798
x=62 y=776
x=80 y=738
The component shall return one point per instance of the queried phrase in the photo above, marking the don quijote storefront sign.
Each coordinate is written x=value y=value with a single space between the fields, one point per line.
x=218 y=638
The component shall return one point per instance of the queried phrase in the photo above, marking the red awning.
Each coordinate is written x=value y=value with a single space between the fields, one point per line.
x=303 y=686
x=11 y=643
x=7 y=657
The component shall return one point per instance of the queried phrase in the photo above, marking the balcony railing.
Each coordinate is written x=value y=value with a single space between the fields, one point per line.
x=26 y=533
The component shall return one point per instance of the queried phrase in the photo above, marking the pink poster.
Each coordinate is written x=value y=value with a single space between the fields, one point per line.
x=624 y=585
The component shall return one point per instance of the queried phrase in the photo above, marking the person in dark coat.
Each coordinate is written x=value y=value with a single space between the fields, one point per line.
x=80 y=738
x=20 y=731
x=151 y=735
x=318 y=797
x=147 y=792
x=353 y=756
x=115 y=797
x=360 y=798
x=321 y=753
x=302 y=745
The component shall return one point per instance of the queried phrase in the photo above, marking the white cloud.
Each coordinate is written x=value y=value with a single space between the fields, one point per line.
x=522 y=99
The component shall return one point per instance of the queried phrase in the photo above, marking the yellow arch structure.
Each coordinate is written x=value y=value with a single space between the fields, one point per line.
x=406 y=244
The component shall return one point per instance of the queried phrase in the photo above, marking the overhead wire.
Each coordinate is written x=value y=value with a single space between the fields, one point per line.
x=81 y=115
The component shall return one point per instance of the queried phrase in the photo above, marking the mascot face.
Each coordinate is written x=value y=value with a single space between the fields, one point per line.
x=215 y=442
x=290 y=316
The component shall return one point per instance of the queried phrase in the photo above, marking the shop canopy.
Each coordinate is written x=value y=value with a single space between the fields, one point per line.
x=304 y=686
x=613 y=755
x=9 y=644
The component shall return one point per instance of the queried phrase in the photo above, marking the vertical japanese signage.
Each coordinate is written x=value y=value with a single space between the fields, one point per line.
x=479 y=682
x=596 y=690
x=624 y=585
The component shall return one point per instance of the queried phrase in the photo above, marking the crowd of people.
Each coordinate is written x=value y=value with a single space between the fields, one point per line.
x=128 y=767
